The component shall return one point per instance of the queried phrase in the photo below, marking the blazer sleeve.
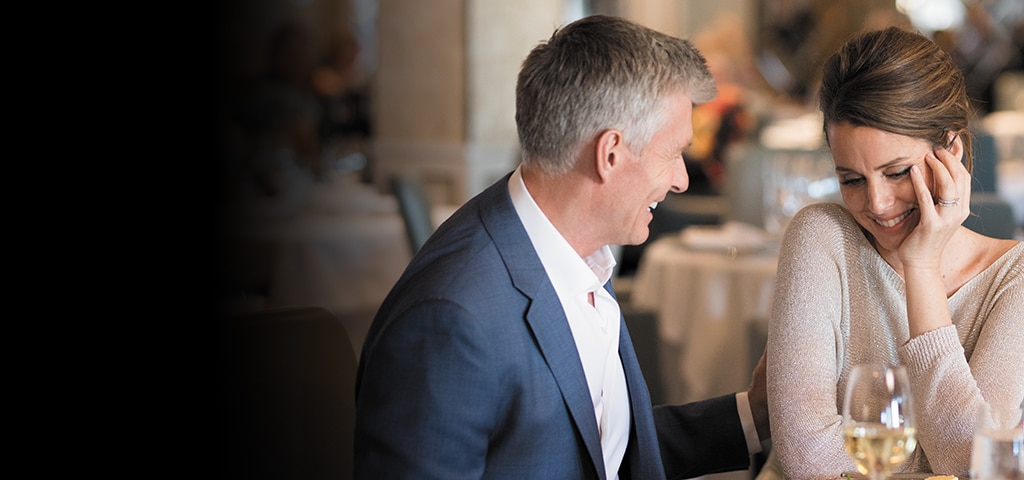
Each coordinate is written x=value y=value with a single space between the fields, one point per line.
x=427 y=397
x=701 y=437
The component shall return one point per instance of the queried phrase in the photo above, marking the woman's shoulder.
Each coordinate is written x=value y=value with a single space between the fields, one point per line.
x=1000 y=268
x=986 y=261
x=824 y=217
x=824 y=209
x=1011 y=253
x=1015 y=248
x=988 y=251
x=823 y=232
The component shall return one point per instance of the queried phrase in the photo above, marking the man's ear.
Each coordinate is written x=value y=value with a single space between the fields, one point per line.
x=609 y=153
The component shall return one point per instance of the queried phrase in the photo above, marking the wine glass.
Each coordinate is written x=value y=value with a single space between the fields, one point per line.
x=878 y=418
x=998 y=450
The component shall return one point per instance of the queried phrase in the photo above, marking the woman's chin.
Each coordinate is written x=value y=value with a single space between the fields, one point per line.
x=890 y=238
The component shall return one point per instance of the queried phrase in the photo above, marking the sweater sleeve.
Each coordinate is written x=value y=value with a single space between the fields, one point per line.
x=805 y=345
x=950 y=384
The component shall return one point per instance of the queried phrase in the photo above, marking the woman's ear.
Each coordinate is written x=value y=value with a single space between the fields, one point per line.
x=955 y=144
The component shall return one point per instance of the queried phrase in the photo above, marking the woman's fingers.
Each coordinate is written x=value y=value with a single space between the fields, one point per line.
x=944 y=185
x=924 y=196
x=951 y=181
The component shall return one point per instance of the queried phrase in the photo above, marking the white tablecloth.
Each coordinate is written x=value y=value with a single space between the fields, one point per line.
x=705 y=301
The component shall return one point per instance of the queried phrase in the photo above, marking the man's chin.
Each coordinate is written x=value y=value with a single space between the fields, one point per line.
x=640 y=238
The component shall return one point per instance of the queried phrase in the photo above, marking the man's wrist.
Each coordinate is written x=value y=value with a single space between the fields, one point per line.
x=743 y=407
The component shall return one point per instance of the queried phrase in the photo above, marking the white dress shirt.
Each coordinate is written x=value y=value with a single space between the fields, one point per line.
x=595 y=328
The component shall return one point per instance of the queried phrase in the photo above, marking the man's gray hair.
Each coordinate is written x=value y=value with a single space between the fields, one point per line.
x=600 y=73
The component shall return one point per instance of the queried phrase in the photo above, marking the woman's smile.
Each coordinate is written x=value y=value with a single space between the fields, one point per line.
x=894 y=221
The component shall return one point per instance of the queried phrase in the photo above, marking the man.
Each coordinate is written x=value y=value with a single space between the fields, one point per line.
x=502 y=352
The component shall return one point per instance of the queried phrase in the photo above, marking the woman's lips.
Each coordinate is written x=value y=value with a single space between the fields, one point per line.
x=893 y=222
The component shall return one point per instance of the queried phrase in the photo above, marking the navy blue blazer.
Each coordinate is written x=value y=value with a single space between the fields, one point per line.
x=470 y=370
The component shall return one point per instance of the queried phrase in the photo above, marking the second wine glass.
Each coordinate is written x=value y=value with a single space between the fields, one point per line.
x=878 y=418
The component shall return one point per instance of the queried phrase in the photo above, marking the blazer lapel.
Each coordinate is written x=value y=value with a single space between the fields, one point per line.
x=556 y=343
x=643 y=453
x=545 y=315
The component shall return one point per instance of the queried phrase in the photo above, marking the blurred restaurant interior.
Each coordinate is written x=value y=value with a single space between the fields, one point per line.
x=351 y=128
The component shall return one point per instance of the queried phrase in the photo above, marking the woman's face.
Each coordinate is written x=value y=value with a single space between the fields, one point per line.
x=873 y=168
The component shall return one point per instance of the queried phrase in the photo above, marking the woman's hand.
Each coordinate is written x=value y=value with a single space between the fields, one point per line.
x=757 y=396
x=942 y=211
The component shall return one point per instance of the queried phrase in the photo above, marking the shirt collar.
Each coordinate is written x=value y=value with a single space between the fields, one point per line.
x=569 y=273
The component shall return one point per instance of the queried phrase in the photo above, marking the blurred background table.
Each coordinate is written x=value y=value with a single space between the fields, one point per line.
x=336 y=243
x=707 y=302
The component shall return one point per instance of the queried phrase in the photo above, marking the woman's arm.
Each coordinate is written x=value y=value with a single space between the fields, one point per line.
x=805 y=341
x=923 y=254
x=948 y=389
x=944 y=387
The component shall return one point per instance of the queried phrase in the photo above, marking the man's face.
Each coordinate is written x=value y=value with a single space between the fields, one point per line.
x=646 y=179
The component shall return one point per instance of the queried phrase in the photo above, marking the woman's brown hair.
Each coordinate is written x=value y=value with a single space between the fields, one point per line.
x=899 y=82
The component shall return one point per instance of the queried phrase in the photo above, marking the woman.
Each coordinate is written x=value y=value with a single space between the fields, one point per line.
x=893 y=276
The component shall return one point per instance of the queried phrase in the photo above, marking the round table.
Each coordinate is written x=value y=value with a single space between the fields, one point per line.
x=708 y=301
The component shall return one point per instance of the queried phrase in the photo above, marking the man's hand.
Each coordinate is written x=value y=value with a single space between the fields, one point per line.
x=757 y=395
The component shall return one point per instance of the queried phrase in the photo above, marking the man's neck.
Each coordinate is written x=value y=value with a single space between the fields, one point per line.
x=566 y=202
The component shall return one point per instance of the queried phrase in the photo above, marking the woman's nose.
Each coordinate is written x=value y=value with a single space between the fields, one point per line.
x=880 y=197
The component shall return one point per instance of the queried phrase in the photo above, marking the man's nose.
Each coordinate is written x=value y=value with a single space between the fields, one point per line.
x=680 y=179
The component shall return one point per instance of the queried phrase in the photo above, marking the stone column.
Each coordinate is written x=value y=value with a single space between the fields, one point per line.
x=444 y=91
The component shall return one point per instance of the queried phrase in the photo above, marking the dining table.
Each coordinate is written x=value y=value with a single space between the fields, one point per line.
x=710 y=288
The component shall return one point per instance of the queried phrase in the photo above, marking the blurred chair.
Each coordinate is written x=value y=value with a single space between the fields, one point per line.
x=986 y=159
x=414 y=206
x=991 y=216
x=287 y=395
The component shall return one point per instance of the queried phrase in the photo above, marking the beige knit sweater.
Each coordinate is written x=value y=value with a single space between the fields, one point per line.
x=838 y=303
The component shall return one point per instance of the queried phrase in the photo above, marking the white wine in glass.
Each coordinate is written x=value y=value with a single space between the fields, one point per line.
x=878 y=418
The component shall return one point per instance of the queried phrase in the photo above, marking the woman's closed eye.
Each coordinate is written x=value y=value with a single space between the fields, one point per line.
x=857 y=181
x=899 y=174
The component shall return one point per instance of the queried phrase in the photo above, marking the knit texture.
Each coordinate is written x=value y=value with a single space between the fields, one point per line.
x=837 y=303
